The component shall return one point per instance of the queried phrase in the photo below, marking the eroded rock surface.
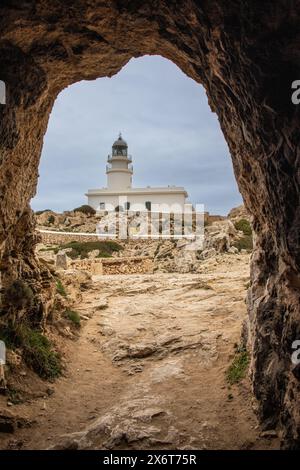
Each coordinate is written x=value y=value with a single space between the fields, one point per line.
x=167 y=341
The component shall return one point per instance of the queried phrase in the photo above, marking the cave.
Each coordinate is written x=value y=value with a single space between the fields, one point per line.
x=246 y=55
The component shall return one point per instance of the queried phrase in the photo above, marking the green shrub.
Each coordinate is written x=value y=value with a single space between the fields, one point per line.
x=37 y=350
x=40 y=355
x=42 y=212
x=82 y=249
x=244 y=226
x=73 y=316
x=51 y=219
x=237 y=370
x=244 y=243
x=85 y=209
x=19 y=294
x=60 y=288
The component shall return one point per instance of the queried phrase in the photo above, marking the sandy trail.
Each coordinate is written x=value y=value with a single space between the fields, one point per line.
x=148 y=371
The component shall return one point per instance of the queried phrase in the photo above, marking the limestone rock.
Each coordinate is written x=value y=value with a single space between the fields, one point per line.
x=61 y=260
x=220 y=235
x=208 y=253
x=238 y=213
x=130 y=422
x=93 y=254
x=74 y=281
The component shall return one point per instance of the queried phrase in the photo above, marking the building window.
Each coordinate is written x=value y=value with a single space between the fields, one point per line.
x=148 y=205
x=102 y=206
x=127 y=206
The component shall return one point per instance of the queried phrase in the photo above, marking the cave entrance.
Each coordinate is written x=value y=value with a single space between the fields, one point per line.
x=160 y=319
x=247 y=62
x=173 y=139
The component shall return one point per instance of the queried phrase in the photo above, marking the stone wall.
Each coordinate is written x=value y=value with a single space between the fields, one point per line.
x=91 y=266
x=56 y=238
x=133 y=265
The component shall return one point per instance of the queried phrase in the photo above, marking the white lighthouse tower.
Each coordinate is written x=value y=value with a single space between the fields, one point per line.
x=120 y=195
x=119 y=168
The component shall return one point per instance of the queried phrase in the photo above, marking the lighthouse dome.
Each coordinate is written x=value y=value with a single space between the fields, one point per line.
x=120 y=142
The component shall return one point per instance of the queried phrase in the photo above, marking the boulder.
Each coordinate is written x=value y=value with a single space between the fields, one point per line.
x=61 y=260
x=208 y=253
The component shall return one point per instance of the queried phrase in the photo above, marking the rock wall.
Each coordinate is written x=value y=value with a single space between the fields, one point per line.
x=246 y=55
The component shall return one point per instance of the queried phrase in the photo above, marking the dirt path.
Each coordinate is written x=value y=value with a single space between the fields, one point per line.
x=148 y=371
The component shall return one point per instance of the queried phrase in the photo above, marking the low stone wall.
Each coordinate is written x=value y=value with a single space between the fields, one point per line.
x=92 y=266
x=132 y=265
x=59 y=238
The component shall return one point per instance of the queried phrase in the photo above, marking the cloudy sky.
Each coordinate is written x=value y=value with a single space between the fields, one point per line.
x=164 y=116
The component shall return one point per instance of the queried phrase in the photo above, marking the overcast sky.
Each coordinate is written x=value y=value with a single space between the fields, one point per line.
x=164 y=116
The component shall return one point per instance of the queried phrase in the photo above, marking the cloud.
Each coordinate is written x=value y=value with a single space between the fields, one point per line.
x=172 y=134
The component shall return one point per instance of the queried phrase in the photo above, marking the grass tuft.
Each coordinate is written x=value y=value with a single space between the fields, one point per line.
x=237 y=370
x=73 y=316
x=60 y=288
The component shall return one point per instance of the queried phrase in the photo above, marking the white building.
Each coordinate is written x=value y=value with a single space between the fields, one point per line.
x=120 y=195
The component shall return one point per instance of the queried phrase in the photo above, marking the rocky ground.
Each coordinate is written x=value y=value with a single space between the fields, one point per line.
x=231 y=234
x=149 y=368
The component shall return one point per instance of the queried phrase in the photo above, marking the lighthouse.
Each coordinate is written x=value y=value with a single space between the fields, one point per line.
x=119 y=194
x=119 y=166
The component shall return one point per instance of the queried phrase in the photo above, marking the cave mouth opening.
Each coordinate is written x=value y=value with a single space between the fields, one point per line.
x=179 y=152
x=173 y=136
x=192 y=131
x=246 y=61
